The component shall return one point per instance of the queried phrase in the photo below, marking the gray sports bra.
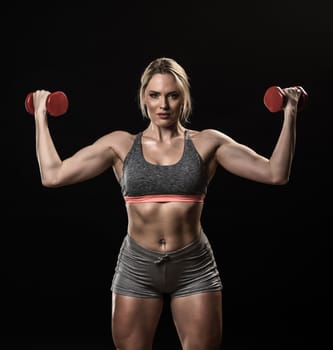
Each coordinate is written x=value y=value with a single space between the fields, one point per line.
x=142 y=181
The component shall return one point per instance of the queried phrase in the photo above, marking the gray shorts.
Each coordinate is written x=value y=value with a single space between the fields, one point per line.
x=141 y=272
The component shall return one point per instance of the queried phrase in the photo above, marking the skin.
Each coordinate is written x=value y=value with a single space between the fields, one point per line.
x=166 y=226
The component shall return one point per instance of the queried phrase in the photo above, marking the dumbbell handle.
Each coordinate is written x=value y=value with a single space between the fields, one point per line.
x=56 y=103
x=275 y=99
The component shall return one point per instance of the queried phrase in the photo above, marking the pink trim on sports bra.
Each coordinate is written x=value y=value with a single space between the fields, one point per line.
x=165 y=198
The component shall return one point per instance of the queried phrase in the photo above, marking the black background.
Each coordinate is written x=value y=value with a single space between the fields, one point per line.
x=59 y=246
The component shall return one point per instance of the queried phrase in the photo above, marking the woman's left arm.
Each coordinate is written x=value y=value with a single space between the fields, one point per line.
x=245 y=162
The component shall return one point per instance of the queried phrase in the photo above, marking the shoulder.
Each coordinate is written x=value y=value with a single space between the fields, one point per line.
x=119 y=141
x=208 y=141
x=117 y=136
x=209 y=136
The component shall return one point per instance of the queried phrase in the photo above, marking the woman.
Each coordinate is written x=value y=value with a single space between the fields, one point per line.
x=164 y=172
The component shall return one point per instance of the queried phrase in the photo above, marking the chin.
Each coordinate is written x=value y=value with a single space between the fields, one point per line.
x=165 y=122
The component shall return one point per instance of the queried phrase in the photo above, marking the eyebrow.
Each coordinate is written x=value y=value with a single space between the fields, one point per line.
x=169 y=93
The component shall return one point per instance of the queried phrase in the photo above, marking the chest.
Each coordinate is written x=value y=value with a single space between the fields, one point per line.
x=162 y=153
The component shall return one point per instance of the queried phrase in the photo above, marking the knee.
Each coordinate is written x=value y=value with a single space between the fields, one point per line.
x=130 y=342
x=202 y=342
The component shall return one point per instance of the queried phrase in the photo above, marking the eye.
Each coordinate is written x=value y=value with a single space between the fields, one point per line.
x=153 y=94
x=174 y=96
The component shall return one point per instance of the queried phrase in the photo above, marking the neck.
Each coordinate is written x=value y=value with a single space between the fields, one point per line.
x=161 y=134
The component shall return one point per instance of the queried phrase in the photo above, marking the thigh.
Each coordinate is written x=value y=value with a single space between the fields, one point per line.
x=198 y=320
x=134 y=321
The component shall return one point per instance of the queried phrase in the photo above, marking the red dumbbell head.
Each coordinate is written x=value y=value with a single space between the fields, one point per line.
x=274 y=99
x=29 y=103
x=57 y=103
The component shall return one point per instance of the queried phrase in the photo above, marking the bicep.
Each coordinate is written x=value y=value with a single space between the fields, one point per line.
x=243 y=161
x=87 y=163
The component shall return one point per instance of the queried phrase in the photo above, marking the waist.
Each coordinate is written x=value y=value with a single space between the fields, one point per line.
x=173 y=222
x=183 y=245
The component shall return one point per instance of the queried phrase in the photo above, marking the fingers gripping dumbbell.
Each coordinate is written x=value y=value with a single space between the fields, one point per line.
x=275 y=99
x=56 y=103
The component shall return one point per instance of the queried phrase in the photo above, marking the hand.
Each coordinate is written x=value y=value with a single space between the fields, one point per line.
x=293 y=95
x=39 y=100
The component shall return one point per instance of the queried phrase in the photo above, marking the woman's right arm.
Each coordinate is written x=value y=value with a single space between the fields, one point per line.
x=88 y=162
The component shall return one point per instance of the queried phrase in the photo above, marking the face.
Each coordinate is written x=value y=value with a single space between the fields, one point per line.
x=163 y=100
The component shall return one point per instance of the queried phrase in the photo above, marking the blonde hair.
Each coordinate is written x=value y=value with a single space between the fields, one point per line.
x=165 y=65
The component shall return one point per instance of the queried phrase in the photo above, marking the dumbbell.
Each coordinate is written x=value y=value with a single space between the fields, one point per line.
x=56 y=103
x=275 y=99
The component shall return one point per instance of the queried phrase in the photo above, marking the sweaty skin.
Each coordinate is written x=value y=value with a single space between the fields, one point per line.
x=171 y=225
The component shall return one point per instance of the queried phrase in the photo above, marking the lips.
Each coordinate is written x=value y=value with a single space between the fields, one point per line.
x=163 y=115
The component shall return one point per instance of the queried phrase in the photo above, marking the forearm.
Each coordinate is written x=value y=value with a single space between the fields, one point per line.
x=47 y=155
x=283 y=153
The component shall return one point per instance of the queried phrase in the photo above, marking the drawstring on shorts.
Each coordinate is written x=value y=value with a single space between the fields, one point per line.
x=161 y=259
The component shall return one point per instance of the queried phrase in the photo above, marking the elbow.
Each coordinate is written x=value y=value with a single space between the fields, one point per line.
x=279 y=176
x=50 y=182
x=51 y=176
x=280 y=181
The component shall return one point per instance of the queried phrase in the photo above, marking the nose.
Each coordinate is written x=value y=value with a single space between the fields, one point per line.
x=164 y=103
